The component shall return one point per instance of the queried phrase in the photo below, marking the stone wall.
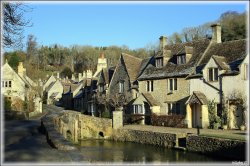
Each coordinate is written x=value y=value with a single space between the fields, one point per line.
x=233 y=149
x=146 y=137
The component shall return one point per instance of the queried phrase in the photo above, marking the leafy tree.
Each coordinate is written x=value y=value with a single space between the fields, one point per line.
x=66 y=72
x=7 y=104
x=31 y=47
x=175 y=38
x=13 y=23
x=233 y=25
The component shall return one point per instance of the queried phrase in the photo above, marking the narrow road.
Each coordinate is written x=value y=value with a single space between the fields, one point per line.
x=23 y=142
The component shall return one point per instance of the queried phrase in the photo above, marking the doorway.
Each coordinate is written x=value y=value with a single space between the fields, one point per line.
x=196 y=115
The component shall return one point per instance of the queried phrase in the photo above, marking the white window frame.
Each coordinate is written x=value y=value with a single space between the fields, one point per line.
x=150 y=86
x=174 y=84
x=136 y=109
x=121 y=87
x=159 y=62
x=214 y=78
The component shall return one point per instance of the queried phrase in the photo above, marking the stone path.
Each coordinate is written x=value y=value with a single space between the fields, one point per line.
x=23 y=142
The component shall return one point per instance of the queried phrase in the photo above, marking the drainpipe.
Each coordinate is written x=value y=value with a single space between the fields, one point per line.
x=221 y=91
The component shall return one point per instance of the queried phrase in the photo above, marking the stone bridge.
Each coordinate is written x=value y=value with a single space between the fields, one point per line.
x=74 y=126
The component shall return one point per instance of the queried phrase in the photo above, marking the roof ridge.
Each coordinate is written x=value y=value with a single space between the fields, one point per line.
x=131 y=56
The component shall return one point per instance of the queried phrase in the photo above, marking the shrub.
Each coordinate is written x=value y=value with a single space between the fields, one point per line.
x=7 y=104
x=213 y=118
x=106 y=114
x=168 y=120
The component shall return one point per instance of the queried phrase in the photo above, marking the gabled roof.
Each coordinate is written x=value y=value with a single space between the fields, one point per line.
x=6 y=66
x=197 y=97
x=171 y=69
x=66 y=88
x=228 y=56
x=221 y=62
x=50 y=86
x=132 y=65
x=151 y=100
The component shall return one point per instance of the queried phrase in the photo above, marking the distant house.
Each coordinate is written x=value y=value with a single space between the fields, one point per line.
x=70 y=90
x=53 y=92
x=123 y=86
x=103 y=82
x=84 y=100
x=19 y=87
x=48 y=82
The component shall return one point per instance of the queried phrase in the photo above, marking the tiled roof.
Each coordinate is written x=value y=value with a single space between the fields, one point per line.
x=50 y=86
x=227 y=55
x=231 y=50
x=144 y=64
x=132 y=65
x=172 y=69
x=66 y=88
x=151 y=100
x=79 y=94
x=202 y=98
x=197 y=97
x=221 y=62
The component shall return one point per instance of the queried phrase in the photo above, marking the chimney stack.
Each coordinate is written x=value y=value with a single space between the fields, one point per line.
x=58 y=75
x=73 y=77
x=163 y=42
x=216 y=33
x=21 y=70
x=189 y=53
x=166 y=56
x=79 y=77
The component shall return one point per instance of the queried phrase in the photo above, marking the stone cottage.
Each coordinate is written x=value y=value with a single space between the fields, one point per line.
x=53 y=92
x=124 y=85
x=18 y=88
x=221 y=76
x=163 y=78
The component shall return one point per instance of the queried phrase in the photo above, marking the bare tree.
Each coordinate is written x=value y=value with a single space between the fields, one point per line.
x=13 y=23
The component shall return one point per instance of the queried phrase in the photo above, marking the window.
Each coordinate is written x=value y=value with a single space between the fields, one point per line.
x=6 y=83
x=172 y=84
x=121 y=87
x=10 y=84
x=213 y=74
x=138 y=109
x=150 y=86
x=174 y=108
x=101 y=88
x=181 y=59
x=159 y=62
x=245 y=71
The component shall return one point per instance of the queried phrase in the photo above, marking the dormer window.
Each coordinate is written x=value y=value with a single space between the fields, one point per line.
x=213 y=74
x=181 y=59
x=159 y=62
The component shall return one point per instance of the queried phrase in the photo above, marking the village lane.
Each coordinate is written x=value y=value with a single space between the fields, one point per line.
x=24 y=142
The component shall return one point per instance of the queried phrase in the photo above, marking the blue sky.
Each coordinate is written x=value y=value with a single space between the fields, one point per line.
x=133 y=24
